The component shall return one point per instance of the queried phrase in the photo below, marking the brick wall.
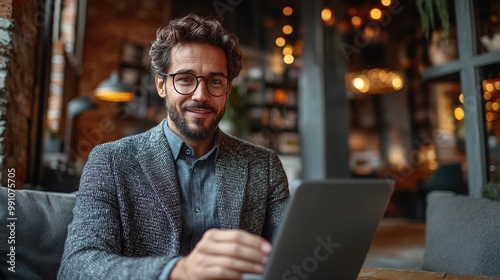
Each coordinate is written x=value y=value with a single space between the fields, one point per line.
x=18 y=35
x=109 y=25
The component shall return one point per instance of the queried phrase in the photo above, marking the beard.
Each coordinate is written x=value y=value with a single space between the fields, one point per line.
x=199 y=133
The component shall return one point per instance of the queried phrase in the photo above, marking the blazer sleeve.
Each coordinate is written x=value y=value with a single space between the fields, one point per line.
x=93 y=245
x=278 y=194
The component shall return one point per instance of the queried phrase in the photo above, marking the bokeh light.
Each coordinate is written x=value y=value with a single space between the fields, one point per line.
x=280 y=41
x=287 y=11
x=287 y=29
x=288 y=59
x=376 y=13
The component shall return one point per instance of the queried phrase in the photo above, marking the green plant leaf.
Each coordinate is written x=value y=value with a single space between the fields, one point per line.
x=427 y=10
x=492 y=191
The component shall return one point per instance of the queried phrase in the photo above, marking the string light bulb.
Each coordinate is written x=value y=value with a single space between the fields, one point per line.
x=287 y=29
x=287 y=11
x=327 y=16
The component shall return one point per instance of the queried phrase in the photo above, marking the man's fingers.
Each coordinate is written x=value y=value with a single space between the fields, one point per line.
x=235 y=265
x=240 y=237
x=234 y=250
x=224 y=254
x=220 y=267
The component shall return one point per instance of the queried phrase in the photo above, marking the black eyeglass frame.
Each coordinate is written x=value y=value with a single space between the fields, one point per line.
x=165 y=75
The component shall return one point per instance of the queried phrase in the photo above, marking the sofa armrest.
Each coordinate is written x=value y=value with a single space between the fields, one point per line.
x=462 y=234
x=33 y=232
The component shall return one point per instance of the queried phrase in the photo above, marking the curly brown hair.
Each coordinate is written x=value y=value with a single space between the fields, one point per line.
x=194 y=28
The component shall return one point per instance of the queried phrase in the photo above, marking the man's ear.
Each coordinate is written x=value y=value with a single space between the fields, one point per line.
x=160 y=85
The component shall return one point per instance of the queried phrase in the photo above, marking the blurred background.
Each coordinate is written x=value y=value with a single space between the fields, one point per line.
x=392 y=89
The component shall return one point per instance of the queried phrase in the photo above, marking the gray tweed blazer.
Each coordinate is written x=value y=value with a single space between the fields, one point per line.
x=127 y=219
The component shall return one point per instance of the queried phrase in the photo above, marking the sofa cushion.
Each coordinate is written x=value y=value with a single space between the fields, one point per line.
x=39 y=231
x=462 y=234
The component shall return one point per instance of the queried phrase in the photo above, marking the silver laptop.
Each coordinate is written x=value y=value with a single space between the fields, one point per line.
x=327 y=230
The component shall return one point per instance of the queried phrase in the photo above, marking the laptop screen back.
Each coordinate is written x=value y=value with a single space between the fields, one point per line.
x=328 y=229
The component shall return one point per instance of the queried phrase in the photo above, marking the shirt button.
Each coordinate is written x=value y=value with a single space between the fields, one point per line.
x=197 y=210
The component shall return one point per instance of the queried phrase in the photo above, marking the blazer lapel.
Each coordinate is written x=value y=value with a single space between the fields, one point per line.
x=158 y=165
x=231 y=171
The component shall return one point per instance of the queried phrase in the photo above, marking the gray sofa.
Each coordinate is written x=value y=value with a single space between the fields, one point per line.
x=462 y=234
x=39 y=232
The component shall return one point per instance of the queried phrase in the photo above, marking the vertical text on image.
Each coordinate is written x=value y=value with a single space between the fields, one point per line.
x=11 y=219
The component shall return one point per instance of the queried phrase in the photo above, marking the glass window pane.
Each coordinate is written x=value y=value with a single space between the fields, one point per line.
x=490 y=90
x=487 y=25
x=447 y=121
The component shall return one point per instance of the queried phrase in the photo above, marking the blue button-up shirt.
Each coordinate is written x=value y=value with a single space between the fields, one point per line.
x=198 y=191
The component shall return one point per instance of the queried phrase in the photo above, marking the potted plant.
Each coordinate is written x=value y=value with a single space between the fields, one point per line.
x=428 y=10
x=435 y=21
x=492 y=191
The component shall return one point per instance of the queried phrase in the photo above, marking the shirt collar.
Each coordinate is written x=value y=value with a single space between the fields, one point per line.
x=175 y=143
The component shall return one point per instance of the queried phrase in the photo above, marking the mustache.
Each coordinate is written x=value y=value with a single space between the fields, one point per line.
x=197 y=105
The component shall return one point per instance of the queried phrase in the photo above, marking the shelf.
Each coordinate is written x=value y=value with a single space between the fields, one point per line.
x=271 y=106
x=133 y=66
x=272 y=109
x=283 y=85
x=258 y=128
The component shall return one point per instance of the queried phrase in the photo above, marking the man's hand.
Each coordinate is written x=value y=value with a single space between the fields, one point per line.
x=223 y=254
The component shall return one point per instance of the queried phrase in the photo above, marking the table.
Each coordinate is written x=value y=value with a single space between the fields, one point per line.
x=390 y=274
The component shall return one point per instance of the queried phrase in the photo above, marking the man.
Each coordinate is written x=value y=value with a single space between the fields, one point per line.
x=183 y=200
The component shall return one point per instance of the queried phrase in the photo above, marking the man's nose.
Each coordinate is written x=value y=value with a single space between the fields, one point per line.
x=201 y=92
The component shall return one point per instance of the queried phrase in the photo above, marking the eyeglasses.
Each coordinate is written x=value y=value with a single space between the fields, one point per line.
x=187 y=83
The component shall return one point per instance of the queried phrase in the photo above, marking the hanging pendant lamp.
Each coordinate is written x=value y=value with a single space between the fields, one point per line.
x=113 y=90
